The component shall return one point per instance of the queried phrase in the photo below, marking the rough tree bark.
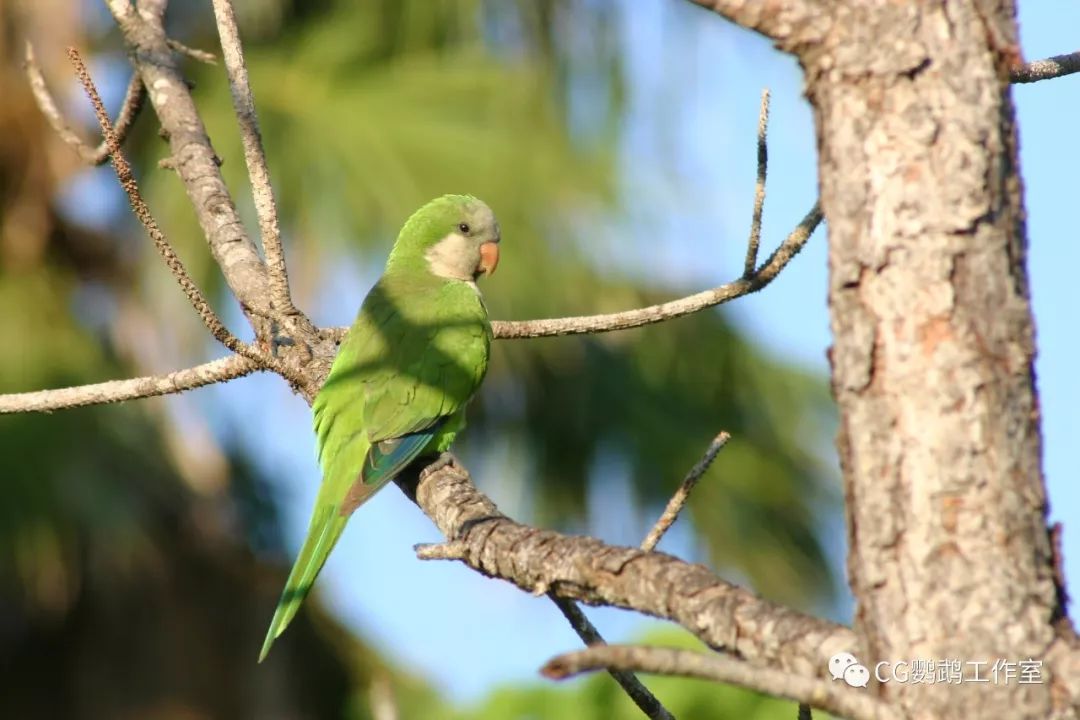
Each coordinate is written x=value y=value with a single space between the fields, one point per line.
x=932 y=362
x=934 y=346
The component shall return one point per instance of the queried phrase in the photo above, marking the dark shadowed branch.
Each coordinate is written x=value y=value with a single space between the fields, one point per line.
x=641 y=695
x=1047 y=69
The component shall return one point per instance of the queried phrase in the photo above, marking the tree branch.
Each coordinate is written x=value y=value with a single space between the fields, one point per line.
x=678 y=500
x=193 y=157
x=613 y=321
x=142 y=211
x=641 y=695
x=127 y=181
x=254 y=156
x=669 y=310
x=759 y=187
x=216 y=371
x=835 y=698
x=129 y=110
x=1052 y=67
x=795 y=23
x=789 y=23
x=722 y=615
x=194 y=53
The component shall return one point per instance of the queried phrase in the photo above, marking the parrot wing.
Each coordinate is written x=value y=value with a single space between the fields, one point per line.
x=396 y=382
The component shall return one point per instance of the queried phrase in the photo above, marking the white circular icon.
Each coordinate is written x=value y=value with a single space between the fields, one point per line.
x=840 y=662
x=857 y=675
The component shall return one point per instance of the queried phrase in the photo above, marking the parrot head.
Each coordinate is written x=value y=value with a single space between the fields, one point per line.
x=454 y=237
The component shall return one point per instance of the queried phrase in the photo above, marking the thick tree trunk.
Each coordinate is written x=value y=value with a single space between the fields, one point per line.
x=934 y=350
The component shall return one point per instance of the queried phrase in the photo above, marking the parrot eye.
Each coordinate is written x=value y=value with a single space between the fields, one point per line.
x=463 y=227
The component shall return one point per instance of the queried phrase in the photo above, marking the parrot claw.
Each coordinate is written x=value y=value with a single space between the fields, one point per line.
x=446 y=459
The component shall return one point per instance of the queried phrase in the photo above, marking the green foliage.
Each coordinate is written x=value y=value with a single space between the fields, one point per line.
x=68 y=477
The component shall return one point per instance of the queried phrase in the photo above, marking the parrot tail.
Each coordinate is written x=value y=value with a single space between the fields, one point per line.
x=326 y=528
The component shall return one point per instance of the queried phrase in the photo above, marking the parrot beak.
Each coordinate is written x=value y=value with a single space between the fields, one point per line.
x=489 y=258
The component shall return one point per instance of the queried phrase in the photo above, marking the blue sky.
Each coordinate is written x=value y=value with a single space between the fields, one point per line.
x=691 y=170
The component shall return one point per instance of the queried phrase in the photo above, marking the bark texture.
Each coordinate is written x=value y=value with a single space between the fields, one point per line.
x=722 y=615
x=193 y=156
x=934 y=347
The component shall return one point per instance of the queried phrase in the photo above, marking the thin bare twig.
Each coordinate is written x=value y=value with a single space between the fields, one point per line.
x=1047 y=69
x=129 y=110
x=172 y=261
x=759 y=186
x=833 y=697
x=254 y=156
x=641 y=695
x=115 y=391
x=678 y=500
x=669 y=310
x=194 y=53
x=196 y=164
x=142 y=212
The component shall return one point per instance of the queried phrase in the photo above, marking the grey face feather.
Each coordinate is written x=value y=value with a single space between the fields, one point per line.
x=457 y=255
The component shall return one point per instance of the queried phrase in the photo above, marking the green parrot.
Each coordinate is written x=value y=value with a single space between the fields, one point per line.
x=399 y=385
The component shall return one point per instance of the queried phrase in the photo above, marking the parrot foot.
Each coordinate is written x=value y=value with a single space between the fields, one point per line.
x=445 y=460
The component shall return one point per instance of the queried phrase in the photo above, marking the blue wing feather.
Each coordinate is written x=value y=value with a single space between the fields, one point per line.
x=389 y=457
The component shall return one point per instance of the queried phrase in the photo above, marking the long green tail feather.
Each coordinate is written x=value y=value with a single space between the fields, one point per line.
x=321 y=538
